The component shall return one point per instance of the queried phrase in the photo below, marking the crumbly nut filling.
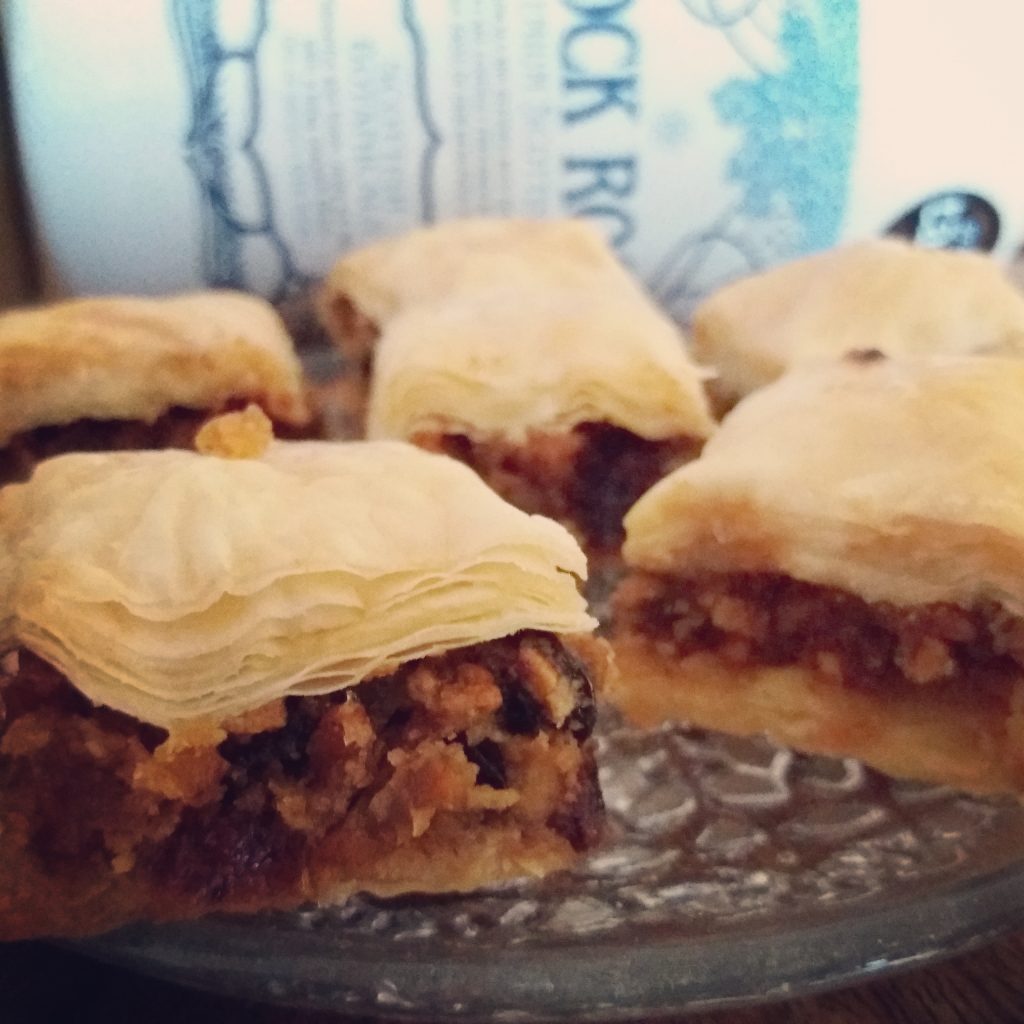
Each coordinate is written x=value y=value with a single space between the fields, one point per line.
x=770 y=619
x=250 y=809
x=587 y=478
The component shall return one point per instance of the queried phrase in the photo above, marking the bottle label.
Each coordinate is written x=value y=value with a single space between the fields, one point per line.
x=706 y=137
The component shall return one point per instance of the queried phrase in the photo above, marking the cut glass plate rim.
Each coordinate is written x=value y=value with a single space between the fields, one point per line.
x=281 y=958
x=614 y=981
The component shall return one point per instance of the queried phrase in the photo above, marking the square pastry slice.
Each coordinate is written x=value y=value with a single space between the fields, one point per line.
x=843 y=569
x=242 y=683
x=366 y=288
x=525 y=350
x=121 y=373
x=884 y=294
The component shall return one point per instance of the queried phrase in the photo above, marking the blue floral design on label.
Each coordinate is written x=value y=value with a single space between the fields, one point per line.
x=797 y=117
x=799 y=124
x=242 y=242
x=428 y=204
x=232 y=216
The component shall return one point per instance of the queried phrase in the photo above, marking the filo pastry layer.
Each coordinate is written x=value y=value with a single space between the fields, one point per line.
x=843 y=568
x=881 y=294
x=508 y=363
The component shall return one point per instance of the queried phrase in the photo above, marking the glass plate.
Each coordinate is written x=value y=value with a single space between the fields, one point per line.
x=734 y=871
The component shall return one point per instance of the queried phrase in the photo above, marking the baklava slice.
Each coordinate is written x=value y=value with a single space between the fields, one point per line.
x=243 y=683
x=843 y=569
x=525 y=350
x=127 y=373
x=884 y=294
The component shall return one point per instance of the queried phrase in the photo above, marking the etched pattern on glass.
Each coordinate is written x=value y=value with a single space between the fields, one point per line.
x=705 y=833
x=715 y=847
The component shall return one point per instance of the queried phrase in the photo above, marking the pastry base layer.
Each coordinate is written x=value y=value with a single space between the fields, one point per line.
x=911 y=736
x=451 y=772
x=934 y=693
x=586 y=478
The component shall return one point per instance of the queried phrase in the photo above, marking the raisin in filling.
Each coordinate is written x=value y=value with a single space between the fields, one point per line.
x=771 y=619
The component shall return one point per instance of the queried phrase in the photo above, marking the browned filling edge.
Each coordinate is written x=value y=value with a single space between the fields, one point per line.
x=772 y=620
x=299 y=795
x=587 y=478
x=176 y=428
x=354 y=334
x=345 y=398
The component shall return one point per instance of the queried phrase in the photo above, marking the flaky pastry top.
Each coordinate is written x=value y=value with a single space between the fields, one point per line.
x=179 y=587
x=501 y=362
x=885 y=294
x=445 y=260
x=131 y=358
x=503 y=325
x=897 y=480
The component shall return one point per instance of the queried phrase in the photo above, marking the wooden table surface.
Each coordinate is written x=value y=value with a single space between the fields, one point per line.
x=42 y=985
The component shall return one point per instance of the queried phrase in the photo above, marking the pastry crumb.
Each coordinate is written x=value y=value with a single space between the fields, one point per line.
x=236 y=435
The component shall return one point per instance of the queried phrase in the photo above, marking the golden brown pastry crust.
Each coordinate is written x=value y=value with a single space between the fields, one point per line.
x=127 y=358
x=897 y=480
x=500 y=326
x=177 y=587
x=441 y=262
x=884 y=294
x=505 y=361
x=240 y=683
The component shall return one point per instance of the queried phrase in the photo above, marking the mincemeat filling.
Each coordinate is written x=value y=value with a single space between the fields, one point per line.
x=588 y=477
x=357 y=772
x=770 y=619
